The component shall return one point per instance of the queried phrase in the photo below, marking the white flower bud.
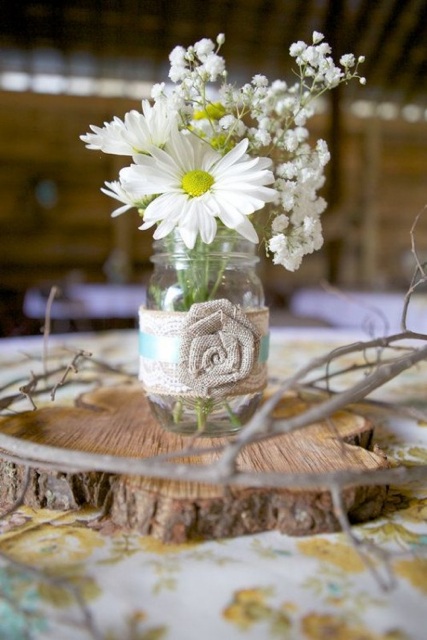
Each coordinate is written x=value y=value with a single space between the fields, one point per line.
x=317 y=37
x=280 y=223
x=177 y=56
x=347 y=60
x=157 y=90
x=297 y=48
x=203 y=48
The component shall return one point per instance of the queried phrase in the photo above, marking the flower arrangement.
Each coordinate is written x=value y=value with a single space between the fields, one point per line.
x=216 y=167
x=207 y=154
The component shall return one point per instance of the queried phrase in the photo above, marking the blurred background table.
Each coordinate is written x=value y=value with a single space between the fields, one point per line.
x=375 y=311
x=262 y=586
x=83 y=306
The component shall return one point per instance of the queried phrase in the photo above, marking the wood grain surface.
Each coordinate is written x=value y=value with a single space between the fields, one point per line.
x=117 y=421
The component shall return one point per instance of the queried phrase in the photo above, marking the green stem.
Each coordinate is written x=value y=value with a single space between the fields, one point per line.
x=202 y=413
x=196 y=270
x=178 y=411
x=218 y=280
x=235 y=421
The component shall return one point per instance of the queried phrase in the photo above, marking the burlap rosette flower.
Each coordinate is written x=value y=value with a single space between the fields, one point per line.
x=219 y=347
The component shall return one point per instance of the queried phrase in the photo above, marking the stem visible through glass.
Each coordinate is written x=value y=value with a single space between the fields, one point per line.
x=194 y=277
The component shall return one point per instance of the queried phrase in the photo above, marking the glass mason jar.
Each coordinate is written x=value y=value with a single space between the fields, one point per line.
x=204 y=335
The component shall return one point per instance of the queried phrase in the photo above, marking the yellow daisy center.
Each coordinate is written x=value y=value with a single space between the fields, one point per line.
x=197 y=182
x=213 y=111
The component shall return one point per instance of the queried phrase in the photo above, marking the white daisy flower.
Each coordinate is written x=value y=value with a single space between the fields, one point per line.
x=108 y=138
x=195 y=185
x=115 y=190
x=152 y=127
x=137 y=134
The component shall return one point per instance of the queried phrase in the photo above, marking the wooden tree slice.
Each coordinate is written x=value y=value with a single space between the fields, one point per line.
x=117 y=421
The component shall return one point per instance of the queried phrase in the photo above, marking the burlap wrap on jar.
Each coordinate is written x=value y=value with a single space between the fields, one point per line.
x=215 y=349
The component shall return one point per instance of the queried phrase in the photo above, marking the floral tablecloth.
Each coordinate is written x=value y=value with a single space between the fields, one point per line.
x=77 y=581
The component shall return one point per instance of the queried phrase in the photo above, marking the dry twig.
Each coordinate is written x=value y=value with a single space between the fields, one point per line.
x=419 y=277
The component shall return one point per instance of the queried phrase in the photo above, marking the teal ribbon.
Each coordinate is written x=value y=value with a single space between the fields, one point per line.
x=166 y=348
x=264 y=348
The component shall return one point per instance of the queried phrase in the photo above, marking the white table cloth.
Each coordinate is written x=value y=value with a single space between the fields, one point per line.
x=266 y=586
